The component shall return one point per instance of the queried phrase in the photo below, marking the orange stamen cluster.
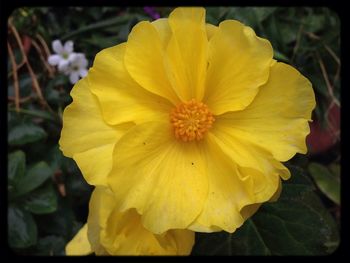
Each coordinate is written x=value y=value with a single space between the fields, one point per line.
x=191 y=120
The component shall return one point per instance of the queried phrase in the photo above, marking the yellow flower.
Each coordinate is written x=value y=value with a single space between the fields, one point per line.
x=188 y=123
x=110 y=232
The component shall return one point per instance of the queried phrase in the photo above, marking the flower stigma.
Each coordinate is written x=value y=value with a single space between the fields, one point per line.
x=191 y=120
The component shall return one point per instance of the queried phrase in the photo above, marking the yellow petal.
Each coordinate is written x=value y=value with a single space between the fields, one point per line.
x=244 y=153
x=101 y=206
x=211 y=30
x=277 y=194
x=86 y=137
x=274 y=61
x=277 y=119
x=239 y=62
x=144 y=60
x=124 y=234
x=79 y=245
x=163 y=178
x=253 y=163
x=163 y=29
x=187 y=52
x=184 y=239
x=120 y=97
x=227 y=193
x=131 y=238
x=249 y=210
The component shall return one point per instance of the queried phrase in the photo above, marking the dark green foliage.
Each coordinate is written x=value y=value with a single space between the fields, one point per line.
x=297 y=224
x=42 y=201
x=22 y=229
x=25 y=133
x=35 y=176
x=327 y=182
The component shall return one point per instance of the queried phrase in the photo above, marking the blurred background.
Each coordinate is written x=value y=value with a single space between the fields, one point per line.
x=47 y=195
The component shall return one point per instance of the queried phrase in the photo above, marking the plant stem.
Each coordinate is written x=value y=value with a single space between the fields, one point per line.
x=15 y=76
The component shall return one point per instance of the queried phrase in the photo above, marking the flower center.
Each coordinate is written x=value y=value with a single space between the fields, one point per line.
x=191 y=120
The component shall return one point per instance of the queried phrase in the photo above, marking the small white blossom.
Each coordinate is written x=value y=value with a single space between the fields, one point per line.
x=64 y=54
x=77 y=67
x=70 y=63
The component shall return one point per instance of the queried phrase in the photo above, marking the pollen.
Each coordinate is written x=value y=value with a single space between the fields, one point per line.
x=191 y=120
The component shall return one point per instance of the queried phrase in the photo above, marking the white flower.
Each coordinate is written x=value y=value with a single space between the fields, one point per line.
x=64 y=54
x=70 y=63
x=76 y=67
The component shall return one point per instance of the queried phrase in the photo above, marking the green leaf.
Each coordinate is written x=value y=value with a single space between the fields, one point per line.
x=245 y=241
x=51 y=246
x=325 y=181
x=297 y=224
x=280 y=56
x=60 y=163
x=16 y=168
x=102 y=42
x=289 y=31
x=273 y=32
x=52 y=95
x=125 y=29
x=36 y=113
x=78 y=189
x=25 y=86
x=319 y=83
x=42 y=201
x=263 y=13
x=55 y=158
x=335 y=169
x=214 y=14
x=25 y=133
x=244 y=14
x=13 y=118
x=60 y=222
x=34 y=177
x=96 y=26
x=22 y=230
x=314 y=23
